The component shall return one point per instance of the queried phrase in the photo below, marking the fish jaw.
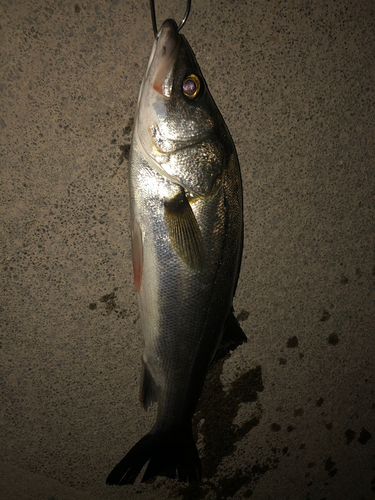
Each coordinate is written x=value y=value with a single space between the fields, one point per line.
x=163 y=56
x=166 y=53
x=155 y=90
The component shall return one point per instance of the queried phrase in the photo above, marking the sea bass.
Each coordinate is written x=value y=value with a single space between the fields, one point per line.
x=187 y=237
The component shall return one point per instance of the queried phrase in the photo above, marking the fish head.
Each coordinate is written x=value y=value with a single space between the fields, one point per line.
x=178 y=127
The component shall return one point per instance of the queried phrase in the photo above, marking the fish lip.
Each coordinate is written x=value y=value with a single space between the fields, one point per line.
x=168 y=44
x=168 y=23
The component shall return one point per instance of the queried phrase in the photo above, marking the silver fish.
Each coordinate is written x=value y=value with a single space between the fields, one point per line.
x=187 y=237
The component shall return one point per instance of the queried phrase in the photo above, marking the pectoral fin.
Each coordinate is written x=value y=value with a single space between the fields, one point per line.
x=184 y=232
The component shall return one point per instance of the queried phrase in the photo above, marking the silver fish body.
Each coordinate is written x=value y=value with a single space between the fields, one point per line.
x=187 y=227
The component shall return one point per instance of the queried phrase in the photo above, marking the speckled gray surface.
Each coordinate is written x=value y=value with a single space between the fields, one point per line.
x=290 y=415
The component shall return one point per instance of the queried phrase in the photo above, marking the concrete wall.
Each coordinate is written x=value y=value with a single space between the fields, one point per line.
x=291 y=414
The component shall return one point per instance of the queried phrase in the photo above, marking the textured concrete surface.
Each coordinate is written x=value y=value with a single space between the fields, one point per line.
x=290 y=415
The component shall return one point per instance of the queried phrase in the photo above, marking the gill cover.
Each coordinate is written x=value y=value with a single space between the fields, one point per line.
x=176 y=125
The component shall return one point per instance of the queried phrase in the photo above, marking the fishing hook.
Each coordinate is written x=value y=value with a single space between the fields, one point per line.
x=153 y=16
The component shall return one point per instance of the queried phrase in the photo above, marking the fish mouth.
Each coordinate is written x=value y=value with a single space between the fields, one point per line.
x=156 y=89
x=166 y=52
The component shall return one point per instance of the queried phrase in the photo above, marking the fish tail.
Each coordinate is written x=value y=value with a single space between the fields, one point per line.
x=164 y=457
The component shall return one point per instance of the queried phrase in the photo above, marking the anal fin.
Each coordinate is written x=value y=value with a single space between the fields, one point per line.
x=233 y=336
x=147 y=394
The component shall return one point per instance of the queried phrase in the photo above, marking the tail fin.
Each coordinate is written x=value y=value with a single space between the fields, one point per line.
x=164 y=459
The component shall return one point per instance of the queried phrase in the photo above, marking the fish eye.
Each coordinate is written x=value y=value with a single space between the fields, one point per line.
x=191 y=86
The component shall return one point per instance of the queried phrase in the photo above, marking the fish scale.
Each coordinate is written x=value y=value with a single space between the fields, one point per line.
x=187 y=237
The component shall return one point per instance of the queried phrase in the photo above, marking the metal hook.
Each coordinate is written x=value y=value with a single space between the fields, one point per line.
x=153 y=16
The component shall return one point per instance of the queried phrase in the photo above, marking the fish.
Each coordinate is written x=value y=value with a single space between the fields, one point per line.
x=187 y=239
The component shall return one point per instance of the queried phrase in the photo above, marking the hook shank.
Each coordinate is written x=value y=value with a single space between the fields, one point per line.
x=153 y=16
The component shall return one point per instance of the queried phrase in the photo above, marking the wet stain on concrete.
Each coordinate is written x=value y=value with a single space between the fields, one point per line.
x=128 y=130
x=108 y=304
x=350 y=435
x=344 y=280
x=292 y=342
x=125 y=151
x=123 y=313
x=125 y=148
x=329 y=466
x=333 y=339
x=325 y=315
x=243 y=315
x=364 y=436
